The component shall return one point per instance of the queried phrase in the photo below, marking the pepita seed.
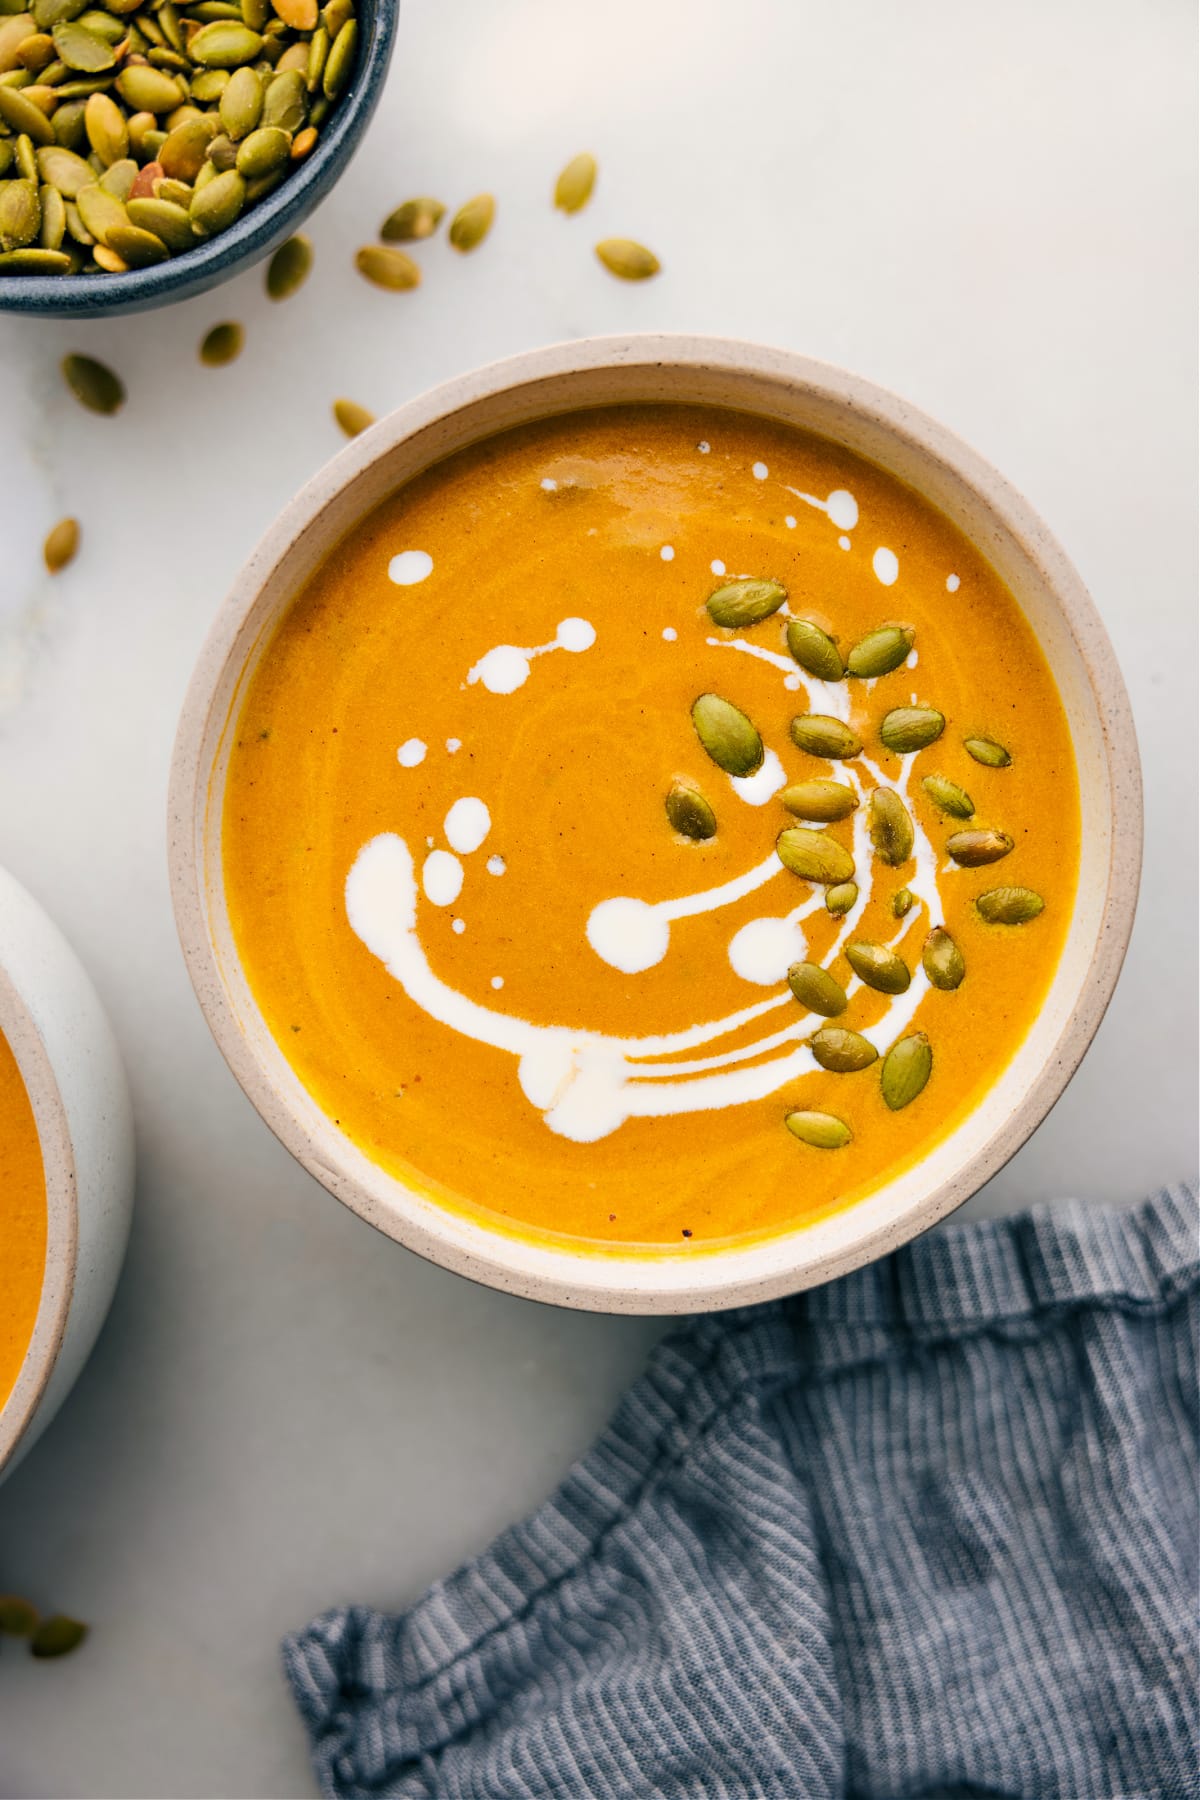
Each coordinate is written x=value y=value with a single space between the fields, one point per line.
x=627 y=259
x=288 y=269
x=34 y=261
x=215 y=206
x=303 y=142
x=222 y=344
x=169 y=222
x=909 y=728
x=68 y=123
x=817 y=990
x=387 y=267
x=285 y=103
x=949 y=797
x=108 y=260
x=903 y=901
x=890 y=826
x=340 y=60
x=988 y=752
x=814 y=650
x=100 y=211
x=942 y=960
x=841 y=1051
x=823 y=1131
x=822 y=735
x=1009 y=905
x=14 y=32
x=119 y=179
x=264 y=151
x=54 y=218
x=225 y=44
x=472 y=222
x=137 y=249
x=27 y=168
x=727 y=735
x=93 y=384
x=148 y=90
x=412 y=221
x=57 y=1636
x=814 y=856
x=352 y=417
x=824 y=801
x=318 y=56
x=222 y=153
x=82 y=49
x=880 y=652
x=20 y=214
x=22 y=114
x=299 y=15
x=107 y=130
x=573 y=189
x=185 y=149
x=841 y=899
x=906 y=1069
x=62 y=541
x=690 y=814
x=972 y=849
x=878 y=967
x=740 y=603
x=17 y=1617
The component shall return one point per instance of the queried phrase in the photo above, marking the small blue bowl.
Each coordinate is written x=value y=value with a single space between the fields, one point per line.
x=254 y=235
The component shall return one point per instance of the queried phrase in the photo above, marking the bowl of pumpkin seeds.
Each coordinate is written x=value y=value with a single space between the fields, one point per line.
x=149 y=148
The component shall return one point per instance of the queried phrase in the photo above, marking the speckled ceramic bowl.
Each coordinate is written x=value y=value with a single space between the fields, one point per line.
x=54 y=1024
x=890 y=433
x=255 y=234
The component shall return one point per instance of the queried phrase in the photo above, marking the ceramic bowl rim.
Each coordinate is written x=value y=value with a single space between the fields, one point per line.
x=721 y=1277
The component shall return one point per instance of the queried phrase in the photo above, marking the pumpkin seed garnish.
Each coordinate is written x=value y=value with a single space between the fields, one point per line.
x=814 y=856
x=62 y=541
x=289 y=268
x=690 y=814
x=472 y=222
x=1009 y=905
x=352 y=417
x=909 y=728
x=903 y=901
x=824 y=801
x=822 y=735
x=906 y=1069
x=986 y=751
x=388 y=268
x=824 y=1131
x=971 y=849
x=727 y=735
x=878 y=967
x=93 y=385
x=628 y=260
x=890 y=826
x=573 y=189
x=56 y=1636
x=842 y=1051
x=841 y=898
x=880 y=652
x=814 y=650
x=222 y=344
x=949 y=796
x=739 y=603
x=817 y=990
x=942 y=960
x=412 y=221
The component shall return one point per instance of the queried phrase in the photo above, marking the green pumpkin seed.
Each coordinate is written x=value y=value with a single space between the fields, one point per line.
x=256 y=14
x=879 y=967
x=62 y=541
x=880 y=652
x=814 y=650
x=472 y=222
x=49 y=12
x=740 y=603
x=294 y=61
x=890 y=827
x=822 y=735
x=824 y=801
x=727 y=735
x=76 y=229
x=340 y=61
x=56 y=1637
x=1009 y=905
x=628 y=260
x=942 y=960
x=23 y=115
x=841 y=1051
x=906 y=1069
x=68 y=123
x=17 y=1617
x=814 y=856
x=222 y=153
x=13 y=33
x=100 y=211
x=175 y=193
x=82 y=49
x=168 y=221
x=318 y=56
x=182 y=155
x=107 y=130
x=37 y=52
x=288 y=269
x=225 y=44
x=972 y=849
x=690 y=814
x=93 y=384
x=7 y=156
x=222 y=345
x=26 y=159
x=208 y=86
x=119 y=179
x=137 y=248
x=31 y=261
x=218 y=203
x=949 y=796
x=841 y=898
x=388 y=268
x=148 y=90
x=573 y=189
x=909 y=728
x=264 y=151
x=823 y=1131
x=54 y=218
x=335 y=14
x=113 y=30
x=816 y=989
x=285 y=103
x=986 y=751
x=903 y=901
x=352 y=417
x=20 y=214
x=412 y=221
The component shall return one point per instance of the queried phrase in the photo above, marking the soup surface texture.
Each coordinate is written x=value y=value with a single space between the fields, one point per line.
x=22 y=1221
x=468 y=841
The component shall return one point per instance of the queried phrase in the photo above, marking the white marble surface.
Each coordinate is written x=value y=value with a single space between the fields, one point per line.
x=988 y=209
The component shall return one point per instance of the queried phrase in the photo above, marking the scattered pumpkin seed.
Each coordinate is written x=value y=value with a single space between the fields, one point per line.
x=949 y=797
x=971 y=849
x=387 y=267
x=824 y=801
x=903 y=901
x=1009 y=905
x=352 y=417
x=62 y=541
x=412 y=221
x=93 y=384
x=17 y=1617
x=814 y=856
x=986 y=751
x=814 y=650
x=942 y=960
x=906 y=1069
x=690 y=814
x=880 y=652
x=223 y=344
x=823 y=1131
x=727 y=735
x=841 y=898
x=472 y=222
x=822 y=735
x=890 y=826
x=289 y=268
x=56 y=1636
x=879 y=967
x=747 y=602
x=628 y=260
x=841 y=1051
x=573 y=189
x=909 y=728
x=817 y=990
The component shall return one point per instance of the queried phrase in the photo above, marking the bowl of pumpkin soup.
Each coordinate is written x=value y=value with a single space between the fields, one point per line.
x=66 y=1169
x=656 y=824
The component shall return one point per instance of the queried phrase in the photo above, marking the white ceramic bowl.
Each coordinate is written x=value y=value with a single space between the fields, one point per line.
x=68 y=1058
x=888 y=432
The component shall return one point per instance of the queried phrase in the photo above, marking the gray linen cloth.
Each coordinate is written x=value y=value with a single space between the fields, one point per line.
x=928 y=1531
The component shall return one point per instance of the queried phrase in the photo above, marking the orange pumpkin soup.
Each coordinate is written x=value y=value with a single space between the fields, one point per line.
x=650 y=827
x=22 y=1221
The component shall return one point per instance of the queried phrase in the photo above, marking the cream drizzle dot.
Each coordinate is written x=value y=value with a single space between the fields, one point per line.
x=717 y=566
x=844 y=542
x=703 y=447
x=549 y=485
x=409 y=567
x=670 y=633
x=411 y=753
x=496 y=865
x=952 y=584
x=458 y=925
x=453 y=745
x=667 y=553
x=497 y=982
x=760 y=471
x=790 y=522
